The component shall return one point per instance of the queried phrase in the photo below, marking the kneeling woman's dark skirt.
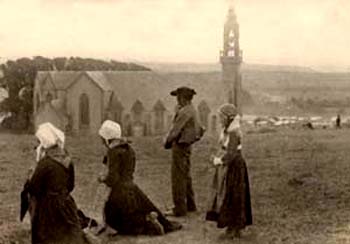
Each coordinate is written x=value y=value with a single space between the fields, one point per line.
x=127 y=208
x=54 y=213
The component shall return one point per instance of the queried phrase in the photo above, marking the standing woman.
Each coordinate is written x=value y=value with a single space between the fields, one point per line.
x=230 y=205
x=54 y=213
x=127 y=210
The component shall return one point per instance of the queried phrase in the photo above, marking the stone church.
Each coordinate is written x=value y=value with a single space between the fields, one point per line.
x=79 y=101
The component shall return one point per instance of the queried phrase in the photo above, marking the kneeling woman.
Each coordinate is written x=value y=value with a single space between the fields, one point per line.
x=54 y=213
x=128 y=210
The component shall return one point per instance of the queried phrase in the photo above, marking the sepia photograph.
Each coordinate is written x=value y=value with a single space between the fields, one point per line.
x=174 y=121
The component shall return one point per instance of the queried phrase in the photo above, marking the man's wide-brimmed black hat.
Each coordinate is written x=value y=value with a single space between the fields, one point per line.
x=183 y=90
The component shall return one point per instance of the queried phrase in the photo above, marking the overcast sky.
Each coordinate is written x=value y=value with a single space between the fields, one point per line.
x=299 y=32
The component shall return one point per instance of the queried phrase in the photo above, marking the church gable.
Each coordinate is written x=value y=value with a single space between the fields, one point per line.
x=47 y=84
x=46 y=91
x=159 y=107
x=83 y=77
x=85 y=104
x=137 y=107
x=64 y=79
x=100 y=80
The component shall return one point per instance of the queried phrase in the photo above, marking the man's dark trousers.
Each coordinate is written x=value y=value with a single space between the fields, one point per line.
x=182 y=191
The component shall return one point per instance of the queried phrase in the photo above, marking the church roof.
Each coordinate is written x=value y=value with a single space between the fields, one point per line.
x=149 y=87
x=145 y=86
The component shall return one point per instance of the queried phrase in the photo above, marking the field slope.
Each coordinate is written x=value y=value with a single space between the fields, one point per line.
x=299 y=181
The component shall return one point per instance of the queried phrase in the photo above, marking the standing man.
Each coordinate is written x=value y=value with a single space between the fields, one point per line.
x=184 y=132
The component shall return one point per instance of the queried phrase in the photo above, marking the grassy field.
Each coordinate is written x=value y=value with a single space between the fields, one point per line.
x=300 y=184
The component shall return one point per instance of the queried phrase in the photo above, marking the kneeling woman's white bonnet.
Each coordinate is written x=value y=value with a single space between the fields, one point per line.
x=110 y=130
x=50 y=136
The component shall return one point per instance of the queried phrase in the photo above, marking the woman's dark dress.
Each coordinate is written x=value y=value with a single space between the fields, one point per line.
x=235 y=210
x=127 y=207
x=55 y=215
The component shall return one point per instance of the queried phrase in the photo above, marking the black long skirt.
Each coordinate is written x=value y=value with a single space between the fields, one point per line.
x=235 y=210
x=127 y=208
x=55 y=220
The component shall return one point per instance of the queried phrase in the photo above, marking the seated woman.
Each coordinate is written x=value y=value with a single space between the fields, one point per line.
x=128 y=210
x=230 y=204
x=54 y=214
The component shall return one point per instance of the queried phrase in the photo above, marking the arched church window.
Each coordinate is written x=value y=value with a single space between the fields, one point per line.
x=84 y=110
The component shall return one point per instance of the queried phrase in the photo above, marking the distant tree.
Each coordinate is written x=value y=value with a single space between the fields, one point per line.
x=19 y=78
x=42 y=63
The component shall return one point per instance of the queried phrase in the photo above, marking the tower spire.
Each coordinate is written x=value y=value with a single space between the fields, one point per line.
x=231 y=35
x=231 y=58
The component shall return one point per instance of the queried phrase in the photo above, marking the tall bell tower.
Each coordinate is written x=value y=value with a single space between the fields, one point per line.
x=231 y=59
